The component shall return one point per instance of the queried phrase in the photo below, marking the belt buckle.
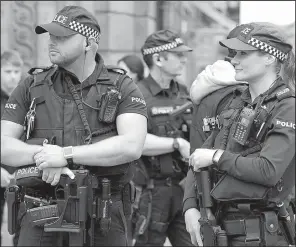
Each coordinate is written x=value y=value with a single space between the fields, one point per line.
x=169 y=181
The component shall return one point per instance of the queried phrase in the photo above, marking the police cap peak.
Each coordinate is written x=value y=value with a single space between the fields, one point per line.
x=72 y=20
x=263 y=36
x=164 y=40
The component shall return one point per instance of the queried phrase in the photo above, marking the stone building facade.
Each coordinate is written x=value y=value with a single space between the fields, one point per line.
x=125 y=26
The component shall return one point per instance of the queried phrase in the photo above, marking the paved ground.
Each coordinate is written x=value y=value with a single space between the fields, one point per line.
x=7 y=238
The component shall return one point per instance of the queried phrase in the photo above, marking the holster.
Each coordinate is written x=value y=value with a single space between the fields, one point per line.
x=141 y=219
x=12 y=195
x=128 y=197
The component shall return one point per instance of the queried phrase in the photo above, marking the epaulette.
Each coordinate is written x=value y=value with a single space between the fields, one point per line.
x=283 y=94
x=37 y=70
x=116 y=69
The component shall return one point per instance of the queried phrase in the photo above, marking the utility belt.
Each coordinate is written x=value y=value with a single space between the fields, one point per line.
x=67 y=206
x=257 y=227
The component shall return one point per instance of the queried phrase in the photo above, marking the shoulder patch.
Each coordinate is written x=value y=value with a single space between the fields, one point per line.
x=285 y=93
x=116 y=69
x=37 y=70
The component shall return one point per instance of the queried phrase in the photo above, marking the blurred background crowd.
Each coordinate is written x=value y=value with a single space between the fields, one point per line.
x=126 y=24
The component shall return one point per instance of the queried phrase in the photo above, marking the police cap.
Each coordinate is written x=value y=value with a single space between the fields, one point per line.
x=72 y=20
x=262 y=36
x=164 y=40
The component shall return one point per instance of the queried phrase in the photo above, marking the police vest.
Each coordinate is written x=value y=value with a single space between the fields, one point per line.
x=59 y=117
x=229 y=188
x=160 y=124
x=208 y=109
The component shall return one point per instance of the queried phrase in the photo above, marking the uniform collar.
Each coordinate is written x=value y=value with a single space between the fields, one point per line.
x=246 y=96
x=156 y=89
x=4 y=95
x=100 y=73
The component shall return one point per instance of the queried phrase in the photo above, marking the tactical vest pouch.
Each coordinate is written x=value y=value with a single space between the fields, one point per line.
x=109 y=105
x=41 y=215
x=166 y=165
x=270 y=226
x=229 y=189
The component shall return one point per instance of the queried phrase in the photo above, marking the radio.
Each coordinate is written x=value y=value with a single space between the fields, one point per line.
x=244 y=126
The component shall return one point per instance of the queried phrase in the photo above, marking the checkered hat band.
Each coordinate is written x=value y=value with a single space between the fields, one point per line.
x=84 y=30
x=267 y=48
x=165 y=47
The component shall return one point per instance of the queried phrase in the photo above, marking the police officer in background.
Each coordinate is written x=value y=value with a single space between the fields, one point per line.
x=96 y=115
x=158 y=209
x=11 y=74
x=252 y=157
x=133 y=66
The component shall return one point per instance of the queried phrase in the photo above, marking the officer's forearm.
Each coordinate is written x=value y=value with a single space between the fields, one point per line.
x=109 y=152
x=17 y=153
x=155 y=145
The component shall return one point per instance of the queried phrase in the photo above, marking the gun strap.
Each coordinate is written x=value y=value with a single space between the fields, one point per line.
x=81 y=111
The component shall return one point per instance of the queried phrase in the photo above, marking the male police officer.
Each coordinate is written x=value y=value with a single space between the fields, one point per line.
x=95 y=114
x=159 y=213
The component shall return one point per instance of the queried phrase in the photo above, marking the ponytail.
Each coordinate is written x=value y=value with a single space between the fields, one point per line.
x=288 y=71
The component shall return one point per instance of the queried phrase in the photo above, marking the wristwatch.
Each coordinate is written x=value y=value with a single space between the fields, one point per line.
x=176 y=144
x=68 y=154
x=216 y=157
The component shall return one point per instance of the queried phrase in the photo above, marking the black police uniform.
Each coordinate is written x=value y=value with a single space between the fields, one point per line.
x=239 y=193
x=161 y=193
x=11 y=170
x=208 y=110
x=64 y=122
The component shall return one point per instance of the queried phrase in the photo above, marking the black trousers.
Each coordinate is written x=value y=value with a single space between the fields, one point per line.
x=35 y=236
x=166 y=210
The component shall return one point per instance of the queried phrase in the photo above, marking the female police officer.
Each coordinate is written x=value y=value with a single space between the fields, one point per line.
x=252 y=157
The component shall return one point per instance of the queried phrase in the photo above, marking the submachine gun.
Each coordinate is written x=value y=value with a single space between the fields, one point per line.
x=211 y=233
x=175 y=114
x=80 y=200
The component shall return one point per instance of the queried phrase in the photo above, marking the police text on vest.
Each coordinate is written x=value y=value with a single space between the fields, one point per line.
x=10 y=106
x=139 y=100
x=285 y=124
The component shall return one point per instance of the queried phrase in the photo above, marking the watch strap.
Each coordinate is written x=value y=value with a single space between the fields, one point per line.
x=176 y=144
x=68 y=154
x=217 y=155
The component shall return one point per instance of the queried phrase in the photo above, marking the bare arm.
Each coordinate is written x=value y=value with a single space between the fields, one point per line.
x=125 y=147
x=156 y=145
x=13 y=151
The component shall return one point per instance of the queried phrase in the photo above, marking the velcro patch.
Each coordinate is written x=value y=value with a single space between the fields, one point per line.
x=31 y=171
x=161 y=110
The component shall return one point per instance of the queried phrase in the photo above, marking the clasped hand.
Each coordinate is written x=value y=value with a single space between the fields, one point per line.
x=52 y=163
x=201 y=157
x=50 y=156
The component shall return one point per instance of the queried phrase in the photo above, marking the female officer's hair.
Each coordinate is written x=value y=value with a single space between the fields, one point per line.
x=288 y=71
x=135 y=64
x=11 y=57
